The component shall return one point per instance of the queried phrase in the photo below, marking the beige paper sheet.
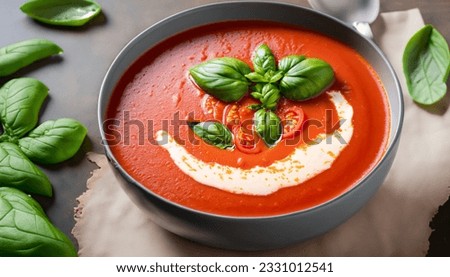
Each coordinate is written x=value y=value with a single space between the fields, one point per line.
x=394 y=223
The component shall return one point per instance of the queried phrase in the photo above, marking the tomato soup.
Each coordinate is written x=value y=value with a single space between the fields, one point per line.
x=157 y=93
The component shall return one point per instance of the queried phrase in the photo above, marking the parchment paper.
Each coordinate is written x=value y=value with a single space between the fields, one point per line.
x=394 y=223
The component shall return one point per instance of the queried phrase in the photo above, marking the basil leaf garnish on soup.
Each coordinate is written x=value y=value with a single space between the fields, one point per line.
x=263 y=60
x=257 y=78
x=426 y=65
x=268 y=126
x=214 y=133
x=264 y=65
x=268 y=94
x=228 y=79
x=304 y=78
x=223 y=78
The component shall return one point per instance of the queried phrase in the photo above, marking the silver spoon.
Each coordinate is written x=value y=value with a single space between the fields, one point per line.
x=359 y=13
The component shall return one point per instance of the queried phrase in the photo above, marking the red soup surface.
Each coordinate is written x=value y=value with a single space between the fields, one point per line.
x=157 y=93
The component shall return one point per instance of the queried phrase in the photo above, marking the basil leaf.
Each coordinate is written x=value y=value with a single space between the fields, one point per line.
x=269 y=77
x=256 y=95
x=18 y=55
x=258 y=88
x=25 y=230
x=304 y=78
x=254 y=107
x=268 y=126
x=62 y=12
x=256 y=78
x=257 y=91
x=426 y=64
x=17 y=171
x=53 y=141
x=275 y=76
x=20 y=102
x=263 y=60
x=270 y=96
x=214 y=133
x=223 y=78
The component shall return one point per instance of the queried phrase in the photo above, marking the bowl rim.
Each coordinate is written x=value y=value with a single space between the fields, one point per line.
x=393 y=139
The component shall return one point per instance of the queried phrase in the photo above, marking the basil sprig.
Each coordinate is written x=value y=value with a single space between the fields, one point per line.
x=25 y=230
x=214 y=133
x=18 y=55
x=268 y=77
x=304 y=78
x=223 y=78
x=268 y=94
x=263 y=60
x=426 y=65
x=268 y=126
x=51 y=142
x=296 y=77
x=264 y=65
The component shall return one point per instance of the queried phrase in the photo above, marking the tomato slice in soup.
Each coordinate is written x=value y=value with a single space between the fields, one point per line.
x=247 y=140
x=231 y=116
x=292 y=120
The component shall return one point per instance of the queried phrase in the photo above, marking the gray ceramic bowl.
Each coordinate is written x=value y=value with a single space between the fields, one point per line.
x=255 y=233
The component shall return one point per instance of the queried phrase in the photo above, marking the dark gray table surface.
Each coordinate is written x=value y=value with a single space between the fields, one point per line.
x=75 y=77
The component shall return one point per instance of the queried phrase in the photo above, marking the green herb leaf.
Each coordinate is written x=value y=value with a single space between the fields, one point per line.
x=25 y=230
x=214 y=133
x=53 y=141
x=254 y=107
x=62 y=12
x=275 y=76
x=304 y=78
x=256 y=78
x=268 y=126
x=256 y=95
x=268 y=77
x=426 y=64
x=258 y=88
x=20 y=102
x=270 y=96
x=223 y=78
x=18 y=55
x=263 y=60
x=17 y=171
